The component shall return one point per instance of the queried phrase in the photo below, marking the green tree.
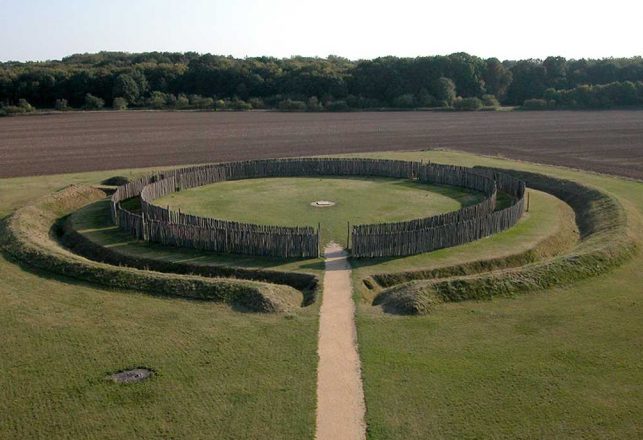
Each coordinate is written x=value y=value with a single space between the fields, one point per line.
x=404 y=101
x=535 y=104
x=119 y=103
x=182 y=102
x=125 y=86
x=467 y=104
x=61 y=104
x=157 y=100
x=445 y=91
x=490 y=101
x=313 y=104
x=337 y=106
x=424 y=98
x=24 y=104
x=556 y=72
x=289 y=105
x=497 y=78
x=93 y=102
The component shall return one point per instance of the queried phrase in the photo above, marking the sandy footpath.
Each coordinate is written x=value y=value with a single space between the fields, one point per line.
x=340 y=397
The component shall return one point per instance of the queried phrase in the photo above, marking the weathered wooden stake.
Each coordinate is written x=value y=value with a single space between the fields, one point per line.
x=527 y=201
x=348 y=235
x=143 y=226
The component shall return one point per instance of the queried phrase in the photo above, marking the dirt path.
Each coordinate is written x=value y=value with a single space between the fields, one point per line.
x=340 y=397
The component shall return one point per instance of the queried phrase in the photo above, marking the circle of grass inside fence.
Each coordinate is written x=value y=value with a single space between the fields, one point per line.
x=285 y=201
x=165 y=226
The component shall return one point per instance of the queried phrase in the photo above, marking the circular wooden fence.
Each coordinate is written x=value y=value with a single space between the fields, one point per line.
x=165 y=226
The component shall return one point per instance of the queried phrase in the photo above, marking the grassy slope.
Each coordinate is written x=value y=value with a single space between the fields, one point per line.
x=221 y=373
x=558 y=364
x=286 y=201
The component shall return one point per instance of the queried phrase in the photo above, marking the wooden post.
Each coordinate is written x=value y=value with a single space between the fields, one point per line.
x=116 y=214
x=348 y=235
x=527 y=201
x=318 y=240
x=143 y=226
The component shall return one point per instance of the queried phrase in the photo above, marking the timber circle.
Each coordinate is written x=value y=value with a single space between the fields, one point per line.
x=162 y=225
x=322 y=204
x=84 y=220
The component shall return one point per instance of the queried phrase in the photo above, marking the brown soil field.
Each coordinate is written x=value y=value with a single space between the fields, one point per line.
x=603 y=141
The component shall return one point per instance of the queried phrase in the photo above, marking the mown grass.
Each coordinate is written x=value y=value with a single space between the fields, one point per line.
x=219 y=373
x=560 y=363
x=286 y=202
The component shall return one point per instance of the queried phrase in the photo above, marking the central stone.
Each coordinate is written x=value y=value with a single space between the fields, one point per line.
x=322 y=204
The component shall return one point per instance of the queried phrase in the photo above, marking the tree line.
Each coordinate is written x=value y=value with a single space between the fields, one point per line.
x=190 y=80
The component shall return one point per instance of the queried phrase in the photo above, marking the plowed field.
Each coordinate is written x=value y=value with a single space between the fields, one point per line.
x=604 y=141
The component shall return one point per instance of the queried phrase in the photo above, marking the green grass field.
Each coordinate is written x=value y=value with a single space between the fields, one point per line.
x=286 y=202
x=563 y=363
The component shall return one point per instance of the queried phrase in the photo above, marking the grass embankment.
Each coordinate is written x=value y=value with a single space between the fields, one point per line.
x=563 y=363
x=90 y=233
x=27 y=237
x=286 y=202
x=220 y=373
x=546 y=230
x=604 y=244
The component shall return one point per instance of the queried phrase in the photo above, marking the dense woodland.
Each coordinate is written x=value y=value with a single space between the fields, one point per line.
x=189 y=80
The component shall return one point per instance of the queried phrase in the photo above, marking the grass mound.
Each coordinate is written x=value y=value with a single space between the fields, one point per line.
x=90 y=247
x=27 y=237
x=549 y=247
x=410 y=298
x=605 y=243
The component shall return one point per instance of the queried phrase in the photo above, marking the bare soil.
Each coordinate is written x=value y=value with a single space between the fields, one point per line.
x=340 y=396
x=603 y=141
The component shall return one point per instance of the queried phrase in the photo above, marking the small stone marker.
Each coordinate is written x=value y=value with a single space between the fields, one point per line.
x=131 y=376
x=322 y=204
